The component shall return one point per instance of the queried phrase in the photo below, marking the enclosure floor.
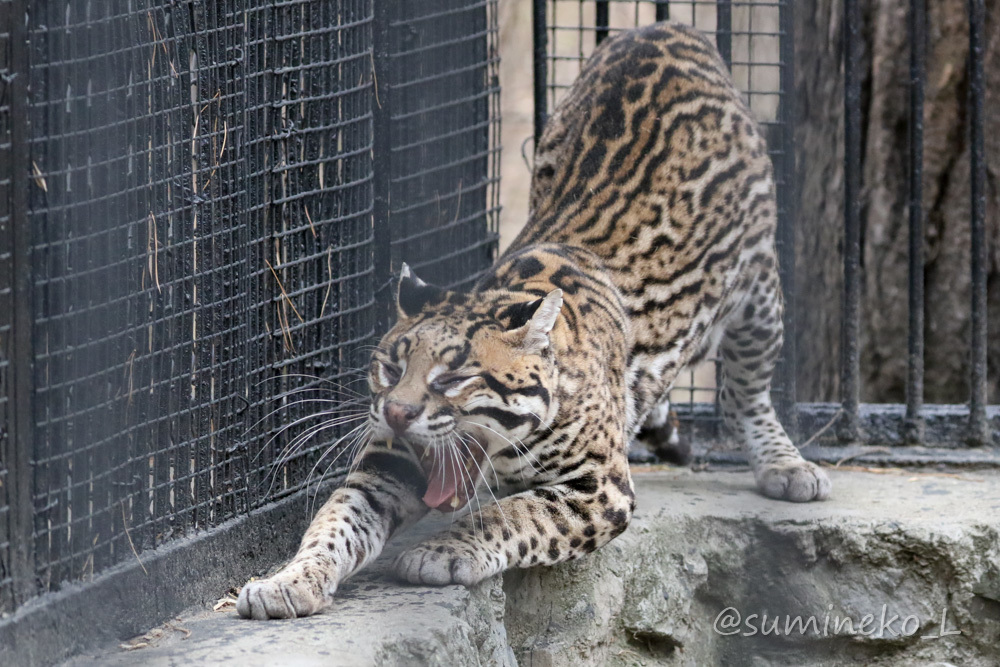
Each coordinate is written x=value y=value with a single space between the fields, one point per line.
x=921 y=543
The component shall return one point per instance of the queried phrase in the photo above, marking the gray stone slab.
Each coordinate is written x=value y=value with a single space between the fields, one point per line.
x=916 y=543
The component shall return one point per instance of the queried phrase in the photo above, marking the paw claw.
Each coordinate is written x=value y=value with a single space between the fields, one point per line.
x=271 y=598
x=798 y=482
x=423 y=564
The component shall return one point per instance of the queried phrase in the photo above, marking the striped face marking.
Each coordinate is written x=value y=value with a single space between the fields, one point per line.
x=389 y=374
x=467 y=374
x=450 y=383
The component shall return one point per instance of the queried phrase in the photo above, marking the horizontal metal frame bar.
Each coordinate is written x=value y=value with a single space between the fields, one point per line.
x=882 y=425
x=907 y=456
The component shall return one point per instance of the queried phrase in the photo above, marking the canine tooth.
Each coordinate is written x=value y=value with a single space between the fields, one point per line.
x=454 y=501
x=388 y=443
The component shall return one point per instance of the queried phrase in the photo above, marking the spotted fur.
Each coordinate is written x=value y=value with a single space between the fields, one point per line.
x=650 y=243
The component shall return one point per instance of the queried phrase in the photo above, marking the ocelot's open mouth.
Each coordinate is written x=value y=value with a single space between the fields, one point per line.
x=452 y=469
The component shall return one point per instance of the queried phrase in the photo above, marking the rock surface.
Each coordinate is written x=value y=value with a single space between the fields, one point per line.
x=917 y=552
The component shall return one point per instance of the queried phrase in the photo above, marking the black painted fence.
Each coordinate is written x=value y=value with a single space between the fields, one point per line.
x=201 y=206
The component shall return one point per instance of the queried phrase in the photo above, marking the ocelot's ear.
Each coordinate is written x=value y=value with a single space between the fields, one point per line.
x=538 y=318
x=414 y=294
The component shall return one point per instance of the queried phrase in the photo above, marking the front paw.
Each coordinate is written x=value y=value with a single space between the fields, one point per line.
x=799 y=482
x=278 y=597
x=440 y=564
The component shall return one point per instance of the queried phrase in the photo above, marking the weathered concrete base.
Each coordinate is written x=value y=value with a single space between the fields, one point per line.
x=914 y=544
x=374 y=621
x=892 y=546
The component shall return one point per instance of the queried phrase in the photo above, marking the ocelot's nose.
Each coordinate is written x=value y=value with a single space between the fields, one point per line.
x=399 y=416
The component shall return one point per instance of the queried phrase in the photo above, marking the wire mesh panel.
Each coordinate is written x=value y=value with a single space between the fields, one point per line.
x=197 y=208
x=6 y=312
x=445 y=133
x=317 y=233
x=747 y=35
x=754 y=38
x=201 y=203
x=139 y=272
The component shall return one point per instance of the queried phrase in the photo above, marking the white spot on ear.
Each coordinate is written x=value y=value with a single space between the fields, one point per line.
x=412 y=285
x=406 y=274
x=536 y=337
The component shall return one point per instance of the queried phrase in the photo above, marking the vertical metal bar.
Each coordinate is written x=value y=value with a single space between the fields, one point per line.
x=914 y=425
x=540 y=50
x=978 y=428
x=849 y=358
x=787 y=200
x=21 y=344
x=382 y=167
x=602 y=20
x=724 y=30
x=662 y=10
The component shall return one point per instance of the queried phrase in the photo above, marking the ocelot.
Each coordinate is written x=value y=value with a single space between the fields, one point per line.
x=650 y=243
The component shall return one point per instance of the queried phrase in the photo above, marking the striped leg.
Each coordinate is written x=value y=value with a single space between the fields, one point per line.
x=661 y=435
x=541 y=526
x=346 y=534
x=749 y=348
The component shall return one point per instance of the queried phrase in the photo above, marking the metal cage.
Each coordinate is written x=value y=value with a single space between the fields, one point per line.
x=756 y=38
x=201 y=208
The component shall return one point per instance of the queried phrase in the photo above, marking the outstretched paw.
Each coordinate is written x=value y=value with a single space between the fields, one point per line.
x=274 y=598
x=798 y=482
x=443 y=563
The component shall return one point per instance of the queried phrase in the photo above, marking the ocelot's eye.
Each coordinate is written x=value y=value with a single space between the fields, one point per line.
x=443 y=384
x=389 y=374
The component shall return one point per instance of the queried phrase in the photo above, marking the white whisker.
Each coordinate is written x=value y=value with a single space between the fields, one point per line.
x=362 y=432
x=358 y=456
x=475 y=493
x=495 y=499
x=526 y=451
x=341 y=404
x=298 y=442
x=336 y=421
x=334 y=385
x=540 y=422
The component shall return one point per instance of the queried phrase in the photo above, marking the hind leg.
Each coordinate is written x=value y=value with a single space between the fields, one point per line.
x=749 y=348
x=660 y=434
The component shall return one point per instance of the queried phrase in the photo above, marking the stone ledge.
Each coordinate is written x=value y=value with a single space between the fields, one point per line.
x=374 y=621
x=921 y=544
x=917 y=543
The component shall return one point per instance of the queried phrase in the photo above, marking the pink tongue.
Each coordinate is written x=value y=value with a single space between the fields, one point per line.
x=441 y=479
